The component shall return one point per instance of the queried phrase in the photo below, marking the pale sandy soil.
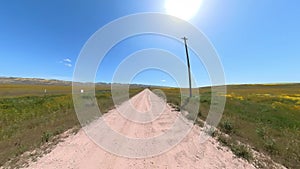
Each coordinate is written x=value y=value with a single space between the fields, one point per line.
x=79 y=151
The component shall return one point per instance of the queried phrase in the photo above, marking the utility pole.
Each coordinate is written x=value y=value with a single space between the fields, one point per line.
x=188 y=64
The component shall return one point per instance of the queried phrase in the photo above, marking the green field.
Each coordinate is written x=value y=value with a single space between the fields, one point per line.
x=266 y=117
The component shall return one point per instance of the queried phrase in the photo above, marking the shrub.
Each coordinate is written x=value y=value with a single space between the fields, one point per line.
x=224 y=140
x=46 y=136
x=270 y=146
x=261 y=132
x=238 y=149
x=242 y=151
x=227 y=127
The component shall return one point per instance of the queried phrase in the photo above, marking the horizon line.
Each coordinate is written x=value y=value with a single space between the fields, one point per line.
x=142 y=84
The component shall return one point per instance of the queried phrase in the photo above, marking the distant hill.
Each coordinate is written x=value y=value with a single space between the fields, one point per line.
x=33 y=81
x=54 y=82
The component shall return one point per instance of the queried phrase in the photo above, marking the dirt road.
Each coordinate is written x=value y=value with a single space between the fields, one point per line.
x=79 y=151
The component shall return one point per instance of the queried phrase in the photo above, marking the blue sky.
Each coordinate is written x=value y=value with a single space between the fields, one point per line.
x=257 y=41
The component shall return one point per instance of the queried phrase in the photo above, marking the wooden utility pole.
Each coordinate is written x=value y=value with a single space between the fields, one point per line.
x=188 y=64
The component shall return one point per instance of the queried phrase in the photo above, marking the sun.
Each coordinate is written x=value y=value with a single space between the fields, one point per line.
x=184 y=9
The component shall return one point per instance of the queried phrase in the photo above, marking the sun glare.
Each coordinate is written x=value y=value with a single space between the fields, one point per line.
x=184 y=9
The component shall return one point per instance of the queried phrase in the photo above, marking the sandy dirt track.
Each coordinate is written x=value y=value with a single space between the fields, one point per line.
x=80 y=152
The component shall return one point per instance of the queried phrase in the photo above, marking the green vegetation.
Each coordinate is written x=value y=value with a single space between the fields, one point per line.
x=227 y=127
x=28 y=121
x=30 y=117
x=238 y=149
x=266 y=117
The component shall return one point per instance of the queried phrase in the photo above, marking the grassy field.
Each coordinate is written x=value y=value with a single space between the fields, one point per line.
x=30 y=117
x=266 y=117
